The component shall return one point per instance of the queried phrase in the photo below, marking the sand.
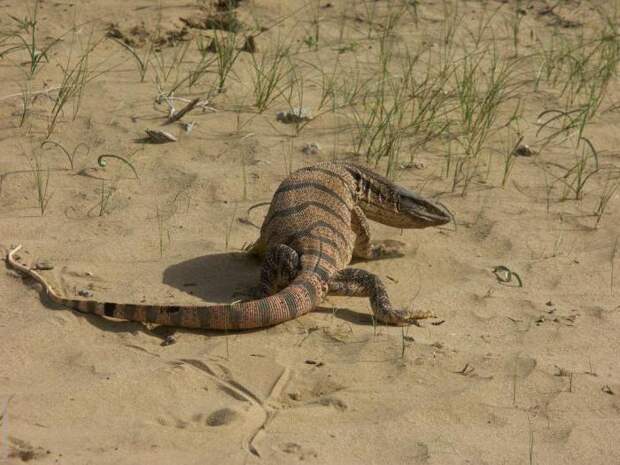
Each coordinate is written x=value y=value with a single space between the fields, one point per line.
x=503 y=375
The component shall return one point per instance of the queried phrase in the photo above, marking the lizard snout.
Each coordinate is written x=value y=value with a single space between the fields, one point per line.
x=422 y=212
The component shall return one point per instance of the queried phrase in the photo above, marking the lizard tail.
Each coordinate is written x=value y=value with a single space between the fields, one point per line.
x=298 y=298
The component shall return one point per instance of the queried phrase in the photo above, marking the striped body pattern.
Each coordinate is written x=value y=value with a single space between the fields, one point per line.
x=317 y=221
x=311 y=213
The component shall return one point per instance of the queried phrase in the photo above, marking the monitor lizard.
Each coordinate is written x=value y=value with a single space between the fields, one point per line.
x=317 y=221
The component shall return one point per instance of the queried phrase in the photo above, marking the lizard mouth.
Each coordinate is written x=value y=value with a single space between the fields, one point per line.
x=423 y=211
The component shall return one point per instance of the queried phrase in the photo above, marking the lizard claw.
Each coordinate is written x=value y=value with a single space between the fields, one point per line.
x=396 y=317
x=404 y=317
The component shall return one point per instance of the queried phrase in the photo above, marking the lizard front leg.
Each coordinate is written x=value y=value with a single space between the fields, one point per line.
x=365 y=247
x=355 y=282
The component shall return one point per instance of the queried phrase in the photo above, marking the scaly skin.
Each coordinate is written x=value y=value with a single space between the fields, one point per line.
x=316 y=223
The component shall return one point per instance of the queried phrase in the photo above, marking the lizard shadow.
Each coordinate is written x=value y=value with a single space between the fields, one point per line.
x=350 y=316
x=215 y=278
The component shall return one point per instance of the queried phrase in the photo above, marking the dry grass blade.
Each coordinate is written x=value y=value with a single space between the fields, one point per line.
x=141 y=62
x=504 y=275
x=70 y=156
x=75 y=77
x=183 y=111
x=41 y=177
x=103 y=163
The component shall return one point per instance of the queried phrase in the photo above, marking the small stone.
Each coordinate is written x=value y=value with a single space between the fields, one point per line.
x=607 y=390
x=524 y=150
x=418 y=165
x=85 y=293
x=43 y=265
x=187 y=127
x=294 y=115
x=169 y=340
x=156 y=136
x=311 y=149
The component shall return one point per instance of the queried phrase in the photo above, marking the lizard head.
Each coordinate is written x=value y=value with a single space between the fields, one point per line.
x=415 y=211
x=393 y=205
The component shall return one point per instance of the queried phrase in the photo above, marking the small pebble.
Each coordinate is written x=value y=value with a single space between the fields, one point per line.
x=524 y=150
x=607 y=390
x=85 y=293
x=311 y=149
x=43 y=265
x=169 y=340
x=418 y=165
x=294 y=115
x=157 y=136
x=187 y=127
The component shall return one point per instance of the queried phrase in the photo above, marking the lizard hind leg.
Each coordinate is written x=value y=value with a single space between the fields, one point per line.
x=280 y=267
x=355 y=282
x=368 y=249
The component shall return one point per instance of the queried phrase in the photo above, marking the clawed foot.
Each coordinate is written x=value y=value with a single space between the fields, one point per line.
x=387 y=248
x=398 y=317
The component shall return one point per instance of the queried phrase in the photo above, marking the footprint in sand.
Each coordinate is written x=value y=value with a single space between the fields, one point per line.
x=520 y=366
x=317 y=392
x=260 y=411
x=334 y=402
x=300 y=452
x=223 y=416
x=220 y=417
x=24 y=450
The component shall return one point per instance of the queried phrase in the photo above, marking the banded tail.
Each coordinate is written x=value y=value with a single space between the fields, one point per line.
x=298 y=298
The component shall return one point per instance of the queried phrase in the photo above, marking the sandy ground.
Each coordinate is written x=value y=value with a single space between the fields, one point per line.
x=503 y=375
